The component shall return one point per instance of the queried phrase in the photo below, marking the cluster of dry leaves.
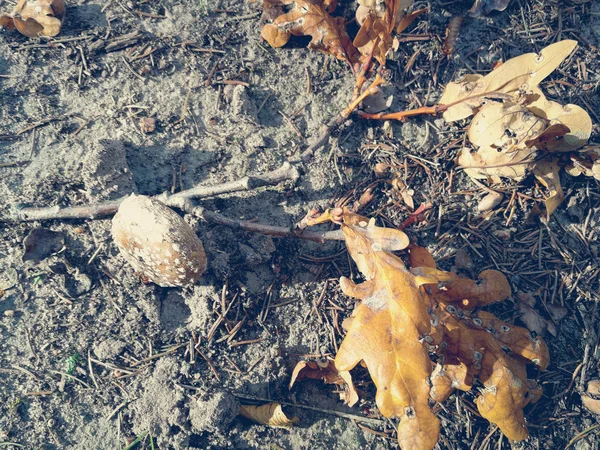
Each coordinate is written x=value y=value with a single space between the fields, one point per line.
x=516 y=130
x=35 y=17
x=421 y=334
x=419 y=330
x=378 y=19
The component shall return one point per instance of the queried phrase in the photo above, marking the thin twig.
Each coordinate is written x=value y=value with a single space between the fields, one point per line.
x=336 y=122
x=270 y=230
x=285 y=172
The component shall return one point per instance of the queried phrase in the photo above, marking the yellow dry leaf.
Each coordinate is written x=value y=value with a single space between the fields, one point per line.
x=506 y=389
x=448 y=377
x=393 y=310
x=420 y=257
x=310 y=18
x=491 y=286
x=269 y=414
x=522 y=73
x=501 y=131
x=519 y=341
x=546 y=171
x=36 y=17
x=404 y=315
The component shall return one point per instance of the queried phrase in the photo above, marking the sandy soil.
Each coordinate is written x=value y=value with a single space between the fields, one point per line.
x=92 y=358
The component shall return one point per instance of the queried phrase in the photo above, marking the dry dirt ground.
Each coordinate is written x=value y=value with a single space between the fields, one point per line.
x=92 y=358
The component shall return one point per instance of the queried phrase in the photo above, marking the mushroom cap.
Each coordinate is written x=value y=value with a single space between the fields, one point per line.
x=157 y=242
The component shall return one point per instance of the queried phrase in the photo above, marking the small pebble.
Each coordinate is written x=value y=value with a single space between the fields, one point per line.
x=148 y=125
x=490 y=202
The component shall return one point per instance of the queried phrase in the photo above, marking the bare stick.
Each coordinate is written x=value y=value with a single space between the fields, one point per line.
x=402 y=115
x=340 y=119
x=285 y=172
x=269 y=230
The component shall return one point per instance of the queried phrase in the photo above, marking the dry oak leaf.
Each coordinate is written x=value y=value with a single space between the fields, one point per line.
x=500 y=131
x=34 y=18
x=523 y=73
x=515 y=138
x=310 y=18
x=378 y=19
x=406 y=314
x=270 y=414
x=325 y=369
x=585 y=162
x=480 y=342
x=573 y=117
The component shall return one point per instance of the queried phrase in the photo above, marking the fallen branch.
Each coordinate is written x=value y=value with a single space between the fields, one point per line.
x=284 y=173
x=335 y=123
x=403 y=115
x=269 y=230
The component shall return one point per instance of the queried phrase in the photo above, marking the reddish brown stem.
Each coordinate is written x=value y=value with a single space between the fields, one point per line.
x=417 y=216
x=403 y=115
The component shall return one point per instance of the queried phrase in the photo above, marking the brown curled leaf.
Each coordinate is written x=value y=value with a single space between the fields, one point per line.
x=546 y=171
x=378 y=18
x=549 y=137
x=325 y=369
x=452 y=32
x=309 y=18
x=34 y=18
x=270 y=414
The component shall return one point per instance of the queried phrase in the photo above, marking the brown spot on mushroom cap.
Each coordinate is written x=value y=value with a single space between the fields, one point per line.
x=157 y=242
